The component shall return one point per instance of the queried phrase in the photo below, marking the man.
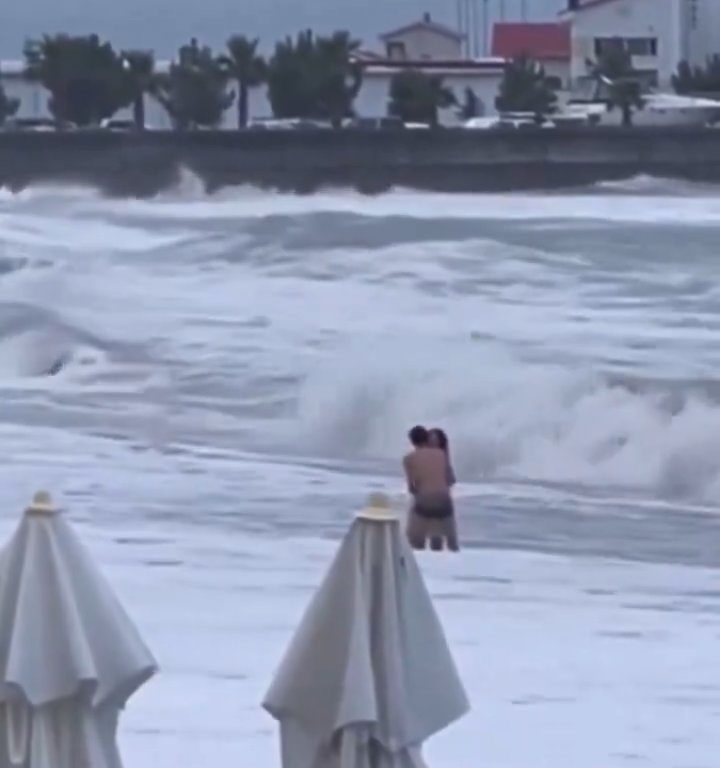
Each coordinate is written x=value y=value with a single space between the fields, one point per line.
x=428 y=478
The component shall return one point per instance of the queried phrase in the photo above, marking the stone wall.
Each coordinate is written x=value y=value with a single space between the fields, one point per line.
x=142 y=164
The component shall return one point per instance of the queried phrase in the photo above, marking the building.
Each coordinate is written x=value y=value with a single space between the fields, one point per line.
x=424 y=45
x=658 y=34
x=482 y=77
x=546 y=43
x=437 y=50
x=423 y=40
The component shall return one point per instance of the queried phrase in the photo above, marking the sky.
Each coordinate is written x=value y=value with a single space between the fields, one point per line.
x=163 y=25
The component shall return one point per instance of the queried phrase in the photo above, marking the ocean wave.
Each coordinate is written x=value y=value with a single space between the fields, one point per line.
x=509 y=419
x=34 y=344
x=656 y=185
x=620 y=201
x=38 y=348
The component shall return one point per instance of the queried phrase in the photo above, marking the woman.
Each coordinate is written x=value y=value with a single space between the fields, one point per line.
x=437 y=438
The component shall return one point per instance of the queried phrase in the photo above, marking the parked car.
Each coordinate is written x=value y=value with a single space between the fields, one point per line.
x=30 y=124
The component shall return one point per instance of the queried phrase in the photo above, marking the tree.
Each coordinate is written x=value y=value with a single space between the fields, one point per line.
x=195 y=90
x=339 y=76
x=8 y=106
x=139 y=69
x=525 y=88
x=472 y=106
x=614 y=71
x=697 y=79
x=416 y=97
x=315 y=78
x=247 y=68
x=85 y=77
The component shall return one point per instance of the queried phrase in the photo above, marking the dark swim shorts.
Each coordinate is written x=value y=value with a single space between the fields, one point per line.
x=434 y=506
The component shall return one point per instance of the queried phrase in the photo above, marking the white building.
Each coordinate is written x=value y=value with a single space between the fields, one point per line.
x=657 y=33
x=437 y=50
x=481 y=77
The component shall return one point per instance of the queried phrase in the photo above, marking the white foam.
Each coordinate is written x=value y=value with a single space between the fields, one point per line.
x=189 y=201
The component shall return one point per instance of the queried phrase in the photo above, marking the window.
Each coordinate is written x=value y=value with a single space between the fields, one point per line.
x=635 y=46
x=396 y=50
x=642 y=46
x=605 y=44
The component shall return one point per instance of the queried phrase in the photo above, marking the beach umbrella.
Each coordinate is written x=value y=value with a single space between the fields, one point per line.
x=368 y=676
x=70 y=657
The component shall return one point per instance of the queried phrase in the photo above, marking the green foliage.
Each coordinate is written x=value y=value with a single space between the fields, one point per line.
x=195 y=91
x=8 y=106
x=697 y=79
x=416 y=97
x=139 y=69
x=615 y=71
x=525 y=88
x=314 y=77
x=247 y=68
x=85 y=77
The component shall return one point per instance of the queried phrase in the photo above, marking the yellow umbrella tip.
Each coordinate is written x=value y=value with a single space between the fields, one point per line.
x=377 y=508
x=42 y=503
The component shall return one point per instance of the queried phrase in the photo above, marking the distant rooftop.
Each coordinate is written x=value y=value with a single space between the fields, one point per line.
x=425 y=23
x=491 y=65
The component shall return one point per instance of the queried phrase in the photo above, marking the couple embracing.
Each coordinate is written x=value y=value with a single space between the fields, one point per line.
x=430 y=478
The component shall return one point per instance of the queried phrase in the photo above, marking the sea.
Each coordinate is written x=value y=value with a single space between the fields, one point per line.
x=210 y=386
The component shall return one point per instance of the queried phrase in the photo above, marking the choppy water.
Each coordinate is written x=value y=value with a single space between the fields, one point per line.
x=253 y=360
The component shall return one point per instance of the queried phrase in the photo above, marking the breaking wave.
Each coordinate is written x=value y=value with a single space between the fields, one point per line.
x=513 y=420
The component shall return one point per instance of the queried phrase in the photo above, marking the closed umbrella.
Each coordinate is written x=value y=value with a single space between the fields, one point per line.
x=70 y=657
x=368 y=676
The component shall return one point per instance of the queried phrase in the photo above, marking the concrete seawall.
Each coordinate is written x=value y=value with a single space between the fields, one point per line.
x=141 y=164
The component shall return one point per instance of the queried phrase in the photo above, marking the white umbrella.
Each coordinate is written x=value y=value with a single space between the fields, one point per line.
x=368 y=676
x=70 y=657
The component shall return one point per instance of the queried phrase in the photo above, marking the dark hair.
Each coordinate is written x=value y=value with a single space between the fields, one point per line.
x=442 y=438
x=418 y=436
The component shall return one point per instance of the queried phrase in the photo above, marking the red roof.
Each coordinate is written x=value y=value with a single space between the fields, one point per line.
x=542 y=42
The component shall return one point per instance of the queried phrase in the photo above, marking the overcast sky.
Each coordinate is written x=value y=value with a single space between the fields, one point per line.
x=164 y=24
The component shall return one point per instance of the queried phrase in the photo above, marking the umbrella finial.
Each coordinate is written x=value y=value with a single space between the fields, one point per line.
x=377 y=508
x=42 y=504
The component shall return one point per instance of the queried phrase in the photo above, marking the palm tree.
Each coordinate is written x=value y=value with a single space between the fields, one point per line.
x=416 y=97
x=526 y=88
x=140 y=68
x=315 y=77
x=340 y=75
x=615 y=74
x=246 y=67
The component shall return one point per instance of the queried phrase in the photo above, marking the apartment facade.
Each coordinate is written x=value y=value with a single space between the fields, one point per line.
x=658 y=34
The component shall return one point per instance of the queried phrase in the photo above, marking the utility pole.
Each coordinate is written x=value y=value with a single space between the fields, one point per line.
x=472 y=22
x=502 y=10
x=486 y=22
x=523 y=10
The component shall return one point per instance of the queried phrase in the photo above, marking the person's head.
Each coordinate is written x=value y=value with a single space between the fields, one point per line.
x=418 y=436
x=438 y=439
